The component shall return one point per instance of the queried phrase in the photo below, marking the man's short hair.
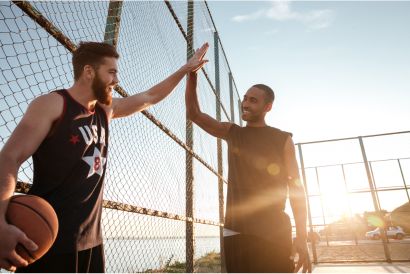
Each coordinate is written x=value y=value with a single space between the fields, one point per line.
x=269 y=94
x=91 y=53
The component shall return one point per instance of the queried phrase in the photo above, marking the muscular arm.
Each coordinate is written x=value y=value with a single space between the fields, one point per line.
x=194 y=113
x=126 y=106
x=297 y=198
x=297 y=194
x=23 y=142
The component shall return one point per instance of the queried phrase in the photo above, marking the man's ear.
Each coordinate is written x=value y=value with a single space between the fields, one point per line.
x=89 y=72
x=268 y=107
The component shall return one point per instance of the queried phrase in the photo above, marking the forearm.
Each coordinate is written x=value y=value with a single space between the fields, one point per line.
x=191 y=96
x=122 y=107
x=8 y=171
x=164 y=88
x=298 y=204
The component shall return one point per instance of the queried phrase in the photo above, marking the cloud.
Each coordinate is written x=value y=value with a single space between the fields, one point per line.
x=271 y=32
x=282 y=11
x=252 y=16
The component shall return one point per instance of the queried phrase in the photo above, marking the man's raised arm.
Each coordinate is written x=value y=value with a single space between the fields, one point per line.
x=126 y=106
x=194 y=113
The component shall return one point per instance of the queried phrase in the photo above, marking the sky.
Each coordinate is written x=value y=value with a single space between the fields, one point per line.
x=338 y=68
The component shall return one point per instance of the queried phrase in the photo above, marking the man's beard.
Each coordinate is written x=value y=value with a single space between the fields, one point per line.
x=101 y=91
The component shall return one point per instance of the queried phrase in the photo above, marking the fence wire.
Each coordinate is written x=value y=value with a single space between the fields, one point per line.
x=349 y=206
x=144 y=216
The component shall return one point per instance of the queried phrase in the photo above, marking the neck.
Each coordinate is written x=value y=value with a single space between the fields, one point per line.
x=260 y=123
x=83 y=94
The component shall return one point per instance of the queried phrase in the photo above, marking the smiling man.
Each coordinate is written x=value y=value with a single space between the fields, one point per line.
x=66 y=132
x=262 y=170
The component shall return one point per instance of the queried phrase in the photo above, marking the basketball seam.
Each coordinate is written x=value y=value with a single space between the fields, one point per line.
x=34 y=210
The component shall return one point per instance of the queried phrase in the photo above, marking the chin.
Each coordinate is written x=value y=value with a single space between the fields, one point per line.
x=245 y=117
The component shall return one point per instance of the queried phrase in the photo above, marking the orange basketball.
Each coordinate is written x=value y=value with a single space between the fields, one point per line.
x=35 y=217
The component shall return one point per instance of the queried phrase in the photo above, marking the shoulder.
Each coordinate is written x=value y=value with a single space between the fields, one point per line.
x=234 y=128
x=51 y=104
x=52 y=97
x=280 y=132
x=232 y=131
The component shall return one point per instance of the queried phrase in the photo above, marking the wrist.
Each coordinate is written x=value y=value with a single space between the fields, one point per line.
x=301 y=236
x=184 y=69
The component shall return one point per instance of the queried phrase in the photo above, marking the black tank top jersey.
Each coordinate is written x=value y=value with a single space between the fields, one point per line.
x=69 y=170
x=257 y=189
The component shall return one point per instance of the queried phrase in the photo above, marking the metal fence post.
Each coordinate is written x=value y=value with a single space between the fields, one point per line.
x=189 y=224
x=404 y=180
x=112 y=26
x=321 y=204
x=240 y=112
x=302 y=166
x=219 y=146
x=231 y=97
x=375 y=201
x=374 y=185
x=348 y=201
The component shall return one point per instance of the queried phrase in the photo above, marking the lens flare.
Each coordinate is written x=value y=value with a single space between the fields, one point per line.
x=273 y=169
x=375 y=221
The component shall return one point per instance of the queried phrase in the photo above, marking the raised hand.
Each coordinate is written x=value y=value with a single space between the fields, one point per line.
x=197 y=61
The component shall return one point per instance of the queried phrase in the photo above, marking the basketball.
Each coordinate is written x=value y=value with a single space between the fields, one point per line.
x=35 y=217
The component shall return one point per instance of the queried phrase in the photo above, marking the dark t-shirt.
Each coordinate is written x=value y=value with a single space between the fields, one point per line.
x=69 y=170
x=257 y=189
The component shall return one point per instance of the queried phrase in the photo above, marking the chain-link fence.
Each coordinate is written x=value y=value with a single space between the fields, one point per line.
x=165 y=177
x=359 y=197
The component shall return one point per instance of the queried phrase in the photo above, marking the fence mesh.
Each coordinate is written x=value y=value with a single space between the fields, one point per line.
x=145 y=207
x=145 y=210
x=356 y=187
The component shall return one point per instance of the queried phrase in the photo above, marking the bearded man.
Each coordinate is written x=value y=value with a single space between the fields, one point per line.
x=66 y=133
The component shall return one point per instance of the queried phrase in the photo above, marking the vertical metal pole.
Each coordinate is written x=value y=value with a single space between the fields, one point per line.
x=375 y=203
x=321 y=203
x=404 y=180
x=348 y=201
x=189 y=224
x=112 y=26
x=219 y=147
x=231 y=97
x=374 y=185
x=302 y=166
x=240 y=112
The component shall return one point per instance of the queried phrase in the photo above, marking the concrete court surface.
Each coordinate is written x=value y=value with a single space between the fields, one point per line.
x=399 y=267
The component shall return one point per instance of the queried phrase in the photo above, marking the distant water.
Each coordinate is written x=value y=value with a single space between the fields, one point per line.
x=137 y=255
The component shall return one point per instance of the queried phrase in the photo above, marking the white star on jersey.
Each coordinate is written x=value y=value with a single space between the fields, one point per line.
x=96 y=163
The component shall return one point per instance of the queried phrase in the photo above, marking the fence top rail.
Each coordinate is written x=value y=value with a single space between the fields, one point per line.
x=359 y=162
x=352 y=138
x=363 y=190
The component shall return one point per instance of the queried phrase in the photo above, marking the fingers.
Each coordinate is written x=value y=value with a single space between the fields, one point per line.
x=202 y=50
x=307 y=265
x=203 y=62
x=16 y=260
x=4 y=264
x=298 y=266
x=27 y=243
x=9 y=258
